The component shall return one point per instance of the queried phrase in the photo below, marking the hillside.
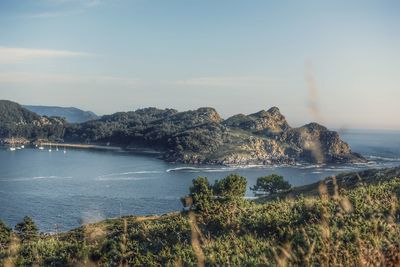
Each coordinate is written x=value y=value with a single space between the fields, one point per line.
x=71 y=114
x=196 y=136
x=355 y=226
x=17 y=122
x=202 y=136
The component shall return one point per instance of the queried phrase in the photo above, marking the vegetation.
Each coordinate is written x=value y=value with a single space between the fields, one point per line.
x=348 y=224
x=270 y=184
x=27 y=230
x=16 y=121
x=194 y=136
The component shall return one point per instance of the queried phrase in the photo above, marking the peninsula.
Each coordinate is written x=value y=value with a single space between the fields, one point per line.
x=197 y=136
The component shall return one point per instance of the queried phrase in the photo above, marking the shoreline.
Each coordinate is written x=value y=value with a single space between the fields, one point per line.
x=83 y=146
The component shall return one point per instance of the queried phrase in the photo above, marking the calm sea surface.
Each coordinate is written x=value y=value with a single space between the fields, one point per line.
x=85 y=185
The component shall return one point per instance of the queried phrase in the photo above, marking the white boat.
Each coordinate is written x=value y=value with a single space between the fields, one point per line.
x=12 y=148
x=22 y=146
x=41 y=147
x=50 y=149
x=65 y=150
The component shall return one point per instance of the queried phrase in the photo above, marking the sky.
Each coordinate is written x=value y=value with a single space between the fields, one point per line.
x=334 y=62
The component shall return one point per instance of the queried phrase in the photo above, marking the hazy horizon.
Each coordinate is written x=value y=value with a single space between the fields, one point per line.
x=335 y=63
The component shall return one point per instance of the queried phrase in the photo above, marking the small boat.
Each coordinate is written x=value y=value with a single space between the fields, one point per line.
x=56 y=148
x=22 y=146
x=18 y=148
x=41 y=147
x=65 y=150
x=50 y=149
x=12 y=148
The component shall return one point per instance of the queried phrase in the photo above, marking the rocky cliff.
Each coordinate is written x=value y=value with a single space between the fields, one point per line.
x=202 y=136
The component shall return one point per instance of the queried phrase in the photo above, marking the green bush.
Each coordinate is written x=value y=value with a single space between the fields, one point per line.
x=354 y=227
x=27 y=229
x=271 y=184
x=230 y=187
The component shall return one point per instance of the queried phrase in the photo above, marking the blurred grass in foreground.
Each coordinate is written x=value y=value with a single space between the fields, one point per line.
x=350 y=226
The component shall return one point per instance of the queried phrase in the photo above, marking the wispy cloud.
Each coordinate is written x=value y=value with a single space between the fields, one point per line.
x=54 y=14
x=44 y=79
x=62 y=8
x=87 y=3
x=229 y=81
x=15 y=54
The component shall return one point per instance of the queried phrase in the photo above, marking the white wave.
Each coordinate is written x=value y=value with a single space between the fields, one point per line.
x=122 y=178
x=311 y=166
x=200 y=169
x=128 y=173
x=35 y=178
x=383 y=158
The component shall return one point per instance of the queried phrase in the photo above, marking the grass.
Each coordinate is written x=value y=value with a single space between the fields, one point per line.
x=348 y=221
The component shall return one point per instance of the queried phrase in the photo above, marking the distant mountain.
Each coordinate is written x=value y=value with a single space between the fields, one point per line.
x=71 y=114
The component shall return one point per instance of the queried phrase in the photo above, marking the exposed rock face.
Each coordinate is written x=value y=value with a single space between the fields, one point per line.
x=316 y=143
x=270 y=122
x=201 y=136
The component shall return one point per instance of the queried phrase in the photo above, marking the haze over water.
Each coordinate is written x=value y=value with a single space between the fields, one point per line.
x=86 y=185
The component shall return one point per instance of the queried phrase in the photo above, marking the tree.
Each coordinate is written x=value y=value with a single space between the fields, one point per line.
x=271 y=184
x=5 y=235
x=27 y=229
x=232 y=186
x=201 y=194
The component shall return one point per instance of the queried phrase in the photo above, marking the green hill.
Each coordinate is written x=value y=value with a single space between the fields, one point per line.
x=16 y=121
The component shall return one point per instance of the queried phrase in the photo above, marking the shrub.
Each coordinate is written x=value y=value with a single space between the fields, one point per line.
x=271 y=184
x=27 y=229
x=232 y=186
x=201 y=194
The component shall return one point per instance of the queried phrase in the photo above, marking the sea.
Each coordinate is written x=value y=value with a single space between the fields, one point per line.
x=61 y=191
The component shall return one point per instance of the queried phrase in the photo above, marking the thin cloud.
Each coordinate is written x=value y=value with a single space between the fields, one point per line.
x=229 y=81
x=63 y=8
x=28 y=78
x=87 y=3
x=54 y=14
x=16 y=54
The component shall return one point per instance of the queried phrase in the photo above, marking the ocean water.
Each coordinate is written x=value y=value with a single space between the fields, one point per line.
x=65 y=190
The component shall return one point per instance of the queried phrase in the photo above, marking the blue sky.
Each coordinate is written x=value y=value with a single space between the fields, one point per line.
x=336 y=62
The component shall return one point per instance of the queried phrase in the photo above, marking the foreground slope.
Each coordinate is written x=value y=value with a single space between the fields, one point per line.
x=348 y=227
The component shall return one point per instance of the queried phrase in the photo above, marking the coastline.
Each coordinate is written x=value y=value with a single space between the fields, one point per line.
x=82 y=146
